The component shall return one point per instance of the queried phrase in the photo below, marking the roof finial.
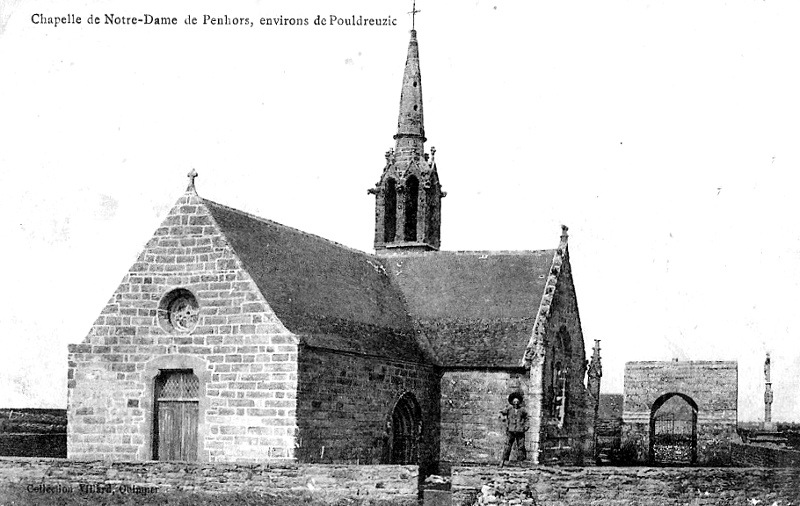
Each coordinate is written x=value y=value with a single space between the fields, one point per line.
x=191 y=175
x=413 y=13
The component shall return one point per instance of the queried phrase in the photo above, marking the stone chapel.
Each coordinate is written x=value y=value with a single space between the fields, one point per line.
x=234 y=338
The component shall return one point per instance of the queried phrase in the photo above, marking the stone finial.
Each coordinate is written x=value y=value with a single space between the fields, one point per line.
x=564 y=235
x=595 y=366
x=433 y=154
x=192 y=175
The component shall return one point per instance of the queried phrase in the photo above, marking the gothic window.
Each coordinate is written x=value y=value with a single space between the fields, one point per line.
x=562 y=362
x=558 y=382
x=412 y=196
x=565 y=342
x=389 y=211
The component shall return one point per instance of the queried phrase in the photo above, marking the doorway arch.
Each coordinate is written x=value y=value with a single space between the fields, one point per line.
x=406 y=427
x=673 y=430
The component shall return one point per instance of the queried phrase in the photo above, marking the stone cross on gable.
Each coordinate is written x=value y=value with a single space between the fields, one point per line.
x=192 y=175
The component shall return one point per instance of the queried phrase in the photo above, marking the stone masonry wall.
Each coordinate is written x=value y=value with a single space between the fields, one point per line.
x=345 y=402
x=244 y=357
x=571 y=443
x=310 y=481
x=624 y=486
x=472 y=430
x=713 y=386
x=32 y=432
x=763 y=456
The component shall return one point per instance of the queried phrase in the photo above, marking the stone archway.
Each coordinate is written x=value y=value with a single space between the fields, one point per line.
x=406 y=429
x=673 y=430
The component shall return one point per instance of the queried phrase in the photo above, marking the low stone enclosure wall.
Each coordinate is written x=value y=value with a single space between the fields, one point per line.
x=763 y=456
x=32 y=432
x=324 y=481
x=652 y=486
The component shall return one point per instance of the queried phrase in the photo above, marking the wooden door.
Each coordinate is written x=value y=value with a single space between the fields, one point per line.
x=177 y=409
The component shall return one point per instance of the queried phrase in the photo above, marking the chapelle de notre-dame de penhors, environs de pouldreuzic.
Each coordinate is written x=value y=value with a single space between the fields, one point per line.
x=233 y=338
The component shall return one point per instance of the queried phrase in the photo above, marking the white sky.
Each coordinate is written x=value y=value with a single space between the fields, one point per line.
x=664 y=133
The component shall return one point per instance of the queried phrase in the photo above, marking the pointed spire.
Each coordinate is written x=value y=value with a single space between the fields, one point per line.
x=410 y=137
x=408 y=196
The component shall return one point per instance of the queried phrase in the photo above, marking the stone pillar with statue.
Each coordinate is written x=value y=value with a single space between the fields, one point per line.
x=769 y=426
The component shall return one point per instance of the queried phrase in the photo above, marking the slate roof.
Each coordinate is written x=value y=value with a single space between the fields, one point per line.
x=329 y=295
x=476 y=308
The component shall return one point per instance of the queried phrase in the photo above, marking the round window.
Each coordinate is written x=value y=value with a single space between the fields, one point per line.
x=178 y=311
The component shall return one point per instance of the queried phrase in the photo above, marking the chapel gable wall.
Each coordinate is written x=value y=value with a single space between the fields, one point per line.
x=244 y=358
x=567 y=438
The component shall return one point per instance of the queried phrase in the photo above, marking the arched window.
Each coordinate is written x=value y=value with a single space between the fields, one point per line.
x=389 y=211
x=562 y=361
x=412 y=197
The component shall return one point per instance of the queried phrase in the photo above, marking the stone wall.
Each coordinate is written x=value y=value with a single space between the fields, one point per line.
x=608 y=428
x=472 y=430
x=711 y=386
x=378 y=482
x=245 y=359
x=610 y=486
x=345 y=402
x=763 y=456
x=33 y=432
x=570 y=442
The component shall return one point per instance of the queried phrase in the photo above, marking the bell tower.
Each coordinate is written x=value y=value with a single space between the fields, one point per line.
x=408 y=195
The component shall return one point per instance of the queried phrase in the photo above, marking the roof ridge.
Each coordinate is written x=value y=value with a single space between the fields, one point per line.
x=287 y=227
x=469 y=252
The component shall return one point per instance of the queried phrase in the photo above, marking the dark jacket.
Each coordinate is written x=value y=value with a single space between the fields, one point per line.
x=516 y=419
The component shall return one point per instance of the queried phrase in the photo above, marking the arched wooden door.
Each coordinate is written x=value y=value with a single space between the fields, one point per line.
x=406 y=430
x=176 y=414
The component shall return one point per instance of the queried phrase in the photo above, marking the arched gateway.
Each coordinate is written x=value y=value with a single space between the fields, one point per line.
x=673 y=430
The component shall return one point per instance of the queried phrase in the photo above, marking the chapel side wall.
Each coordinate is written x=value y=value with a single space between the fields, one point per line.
x=345 y=401
x=245 y=359
x=712 y=385
x=472 y=430
x=573 y=442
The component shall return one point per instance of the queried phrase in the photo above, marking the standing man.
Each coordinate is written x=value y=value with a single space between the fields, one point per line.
x=516 y=418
